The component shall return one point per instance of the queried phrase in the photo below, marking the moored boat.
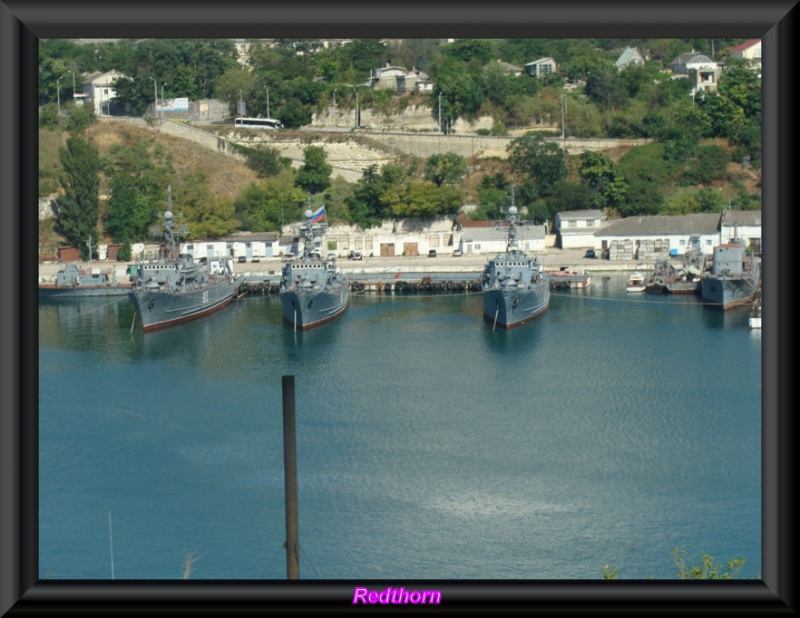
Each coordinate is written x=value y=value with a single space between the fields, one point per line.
x=636 y=282
x=174 y=288
x=663 y=274
x=313 y=290
x=73 y=281
x=516 y=289
x=733 y=279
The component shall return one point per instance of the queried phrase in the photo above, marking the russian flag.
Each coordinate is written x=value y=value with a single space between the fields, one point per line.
x=319 y=214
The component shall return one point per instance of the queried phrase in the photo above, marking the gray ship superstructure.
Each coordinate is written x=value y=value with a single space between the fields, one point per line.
x=174 y=288
x=73 y=281
x=312 y=290
x=733 y=279
x=516 y=289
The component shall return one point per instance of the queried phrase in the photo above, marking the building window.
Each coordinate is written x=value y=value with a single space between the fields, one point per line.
x=572 y=224
x=590 y=223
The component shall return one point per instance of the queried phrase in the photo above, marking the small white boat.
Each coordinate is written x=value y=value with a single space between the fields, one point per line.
x=636 y=282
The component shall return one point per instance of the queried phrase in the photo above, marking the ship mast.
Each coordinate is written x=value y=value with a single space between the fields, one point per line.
x=312 y=233
x=169 y=236
x=512 y=227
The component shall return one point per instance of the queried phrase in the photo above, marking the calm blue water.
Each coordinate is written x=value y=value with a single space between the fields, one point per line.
x=608 y=432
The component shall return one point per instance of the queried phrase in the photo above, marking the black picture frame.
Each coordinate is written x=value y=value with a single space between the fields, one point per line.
x=23 y=22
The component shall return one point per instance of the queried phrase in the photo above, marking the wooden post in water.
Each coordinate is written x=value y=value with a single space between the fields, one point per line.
x=290 y=478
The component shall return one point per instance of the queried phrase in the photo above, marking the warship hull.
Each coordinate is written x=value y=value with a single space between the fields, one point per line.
x=306 y=309
x=53 y=291
x=159 y=309
x=682 y=287
x=510 y=308
x=728 y=292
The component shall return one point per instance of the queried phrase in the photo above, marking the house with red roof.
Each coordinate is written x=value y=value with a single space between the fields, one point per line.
x=749 y=51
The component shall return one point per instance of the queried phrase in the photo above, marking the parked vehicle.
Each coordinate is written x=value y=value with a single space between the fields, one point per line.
x=356 y=255
x=458 y=253
x=590 y=254
x=242 y=259
x=432 y=253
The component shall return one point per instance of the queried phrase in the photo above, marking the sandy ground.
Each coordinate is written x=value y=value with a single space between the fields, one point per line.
x=551 y=258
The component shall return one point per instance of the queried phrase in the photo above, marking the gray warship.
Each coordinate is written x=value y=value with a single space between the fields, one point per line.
x=74 y=281
x=174 y=288
x=516 y=289
x=733 y=279
x=312 y=290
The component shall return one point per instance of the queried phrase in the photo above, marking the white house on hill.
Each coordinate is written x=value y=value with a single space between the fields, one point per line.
x=577 y=228
x=98 y=90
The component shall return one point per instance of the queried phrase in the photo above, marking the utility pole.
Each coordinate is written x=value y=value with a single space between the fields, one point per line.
x=334 y=106
x=162 y=98
x=58 y=90
x=440 y=111
x=155 y=97
x=267 y=89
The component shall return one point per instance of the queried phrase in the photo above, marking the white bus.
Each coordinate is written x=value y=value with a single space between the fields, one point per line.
x=258 y=123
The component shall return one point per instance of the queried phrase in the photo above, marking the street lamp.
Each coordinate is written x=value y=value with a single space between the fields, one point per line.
x=58 y=90
x=440 y=111
x=155 y=98
x=267 y=89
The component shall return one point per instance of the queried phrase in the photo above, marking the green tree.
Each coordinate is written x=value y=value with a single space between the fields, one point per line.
x=598 y=172
x=80 y=118
x=268 y=204
x=643 y=197
x=448 y=168
x=266 y=161
x=493 y=197
x=138 y=173
x=570 y=196
x=77 y=211
x=48 y=116
x=207 y=215
x=367 y=209
x=424 y=200
x=314 y=176
x=543 y=161
x=706 y=570
x=474 y=52
x=605 y=87
x=293 y=114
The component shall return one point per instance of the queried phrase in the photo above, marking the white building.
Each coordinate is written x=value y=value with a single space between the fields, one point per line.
x=576 y=228
x=493 y=238
x=542 y=66
x=749 y=51
x=98 y=90
x=248 y=244
x=655 y=236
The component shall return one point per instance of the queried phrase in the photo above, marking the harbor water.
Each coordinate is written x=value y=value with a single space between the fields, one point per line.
x=610 y=431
